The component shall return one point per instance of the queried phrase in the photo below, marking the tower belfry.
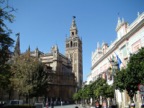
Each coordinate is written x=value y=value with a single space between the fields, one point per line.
x=73 y=28
x=74 y=52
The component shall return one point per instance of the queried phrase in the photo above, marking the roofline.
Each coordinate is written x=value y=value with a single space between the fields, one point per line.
x=125 y=37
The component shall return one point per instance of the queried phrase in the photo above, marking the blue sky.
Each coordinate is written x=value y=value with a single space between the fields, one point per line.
x=44 y=23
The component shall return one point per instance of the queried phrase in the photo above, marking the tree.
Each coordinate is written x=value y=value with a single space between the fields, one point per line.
x=129 y=78
x=109 y=91
x=75 y=97
x=40 y=80
x=119 y=80
x=5 y=44
x=86 y=91
x=5 y=41
x=100 y=87
x=28 y=76
x=96 y=89
x=21 y=74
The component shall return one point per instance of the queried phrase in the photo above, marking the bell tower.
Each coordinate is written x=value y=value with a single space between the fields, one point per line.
x=74 y=53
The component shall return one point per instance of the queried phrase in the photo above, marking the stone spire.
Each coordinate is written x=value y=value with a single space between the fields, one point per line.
x=118 y=23
x=37 y=49
x=17 y=46
x=37 y=52
x=56 y=48
x=123 y=20
x=29 y=48
x=98 y=45
x=73 y=28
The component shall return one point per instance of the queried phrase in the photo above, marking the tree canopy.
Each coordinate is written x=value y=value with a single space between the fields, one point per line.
x=103 y=89
x=94 y=90
x=28 y=75
x=129 y=78
x=6 y=42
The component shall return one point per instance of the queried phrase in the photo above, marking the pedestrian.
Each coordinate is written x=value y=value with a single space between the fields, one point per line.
x=61 y=103
x=47 y=104
x=97 y=104
x=52 y=104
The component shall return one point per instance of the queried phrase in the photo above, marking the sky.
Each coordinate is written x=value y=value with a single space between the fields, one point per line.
x=44 y=23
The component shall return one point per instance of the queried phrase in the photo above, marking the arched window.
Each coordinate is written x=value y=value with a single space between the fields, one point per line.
x=71 y=44
x=72 y=33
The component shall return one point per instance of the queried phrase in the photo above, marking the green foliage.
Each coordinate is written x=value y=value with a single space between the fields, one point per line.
x=86 y=92
x=80 y=94
x=40 y=80
x=21 y=74
x=83 y=93
x=129 y=78
x=28 y=75
x=96 y=89
x=5 y=44
x=109 y=91
x=119 y=80
x=103 y=89
x=5 y=41
x=75 y=96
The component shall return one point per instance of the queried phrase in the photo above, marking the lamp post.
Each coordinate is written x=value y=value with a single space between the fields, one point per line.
x=114 y=69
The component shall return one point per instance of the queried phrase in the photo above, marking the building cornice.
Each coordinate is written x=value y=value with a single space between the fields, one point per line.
x=116 y=45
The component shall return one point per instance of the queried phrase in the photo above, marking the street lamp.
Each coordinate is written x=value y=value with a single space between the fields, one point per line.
x=114 y=69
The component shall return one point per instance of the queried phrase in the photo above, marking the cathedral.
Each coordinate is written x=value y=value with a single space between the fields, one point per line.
x=66 y=71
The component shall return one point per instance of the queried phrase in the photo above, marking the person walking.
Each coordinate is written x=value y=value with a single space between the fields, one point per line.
x=52 y=104
x=97 y=104
x=47 y=104
x=61 y=103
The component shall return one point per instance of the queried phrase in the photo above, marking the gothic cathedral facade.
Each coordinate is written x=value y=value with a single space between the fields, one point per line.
x=65 y=71
x=74 y=53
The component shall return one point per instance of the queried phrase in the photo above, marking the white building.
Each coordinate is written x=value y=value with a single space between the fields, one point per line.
x=130 y=38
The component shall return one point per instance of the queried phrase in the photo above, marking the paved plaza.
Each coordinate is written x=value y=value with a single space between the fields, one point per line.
x=71 y=106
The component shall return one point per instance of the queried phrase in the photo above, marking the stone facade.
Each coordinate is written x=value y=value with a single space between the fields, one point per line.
x=65 y=71
x=62 y=81
x=74 y=53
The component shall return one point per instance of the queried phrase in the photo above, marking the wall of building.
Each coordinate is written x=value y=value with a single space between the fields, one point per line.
x=130 y=38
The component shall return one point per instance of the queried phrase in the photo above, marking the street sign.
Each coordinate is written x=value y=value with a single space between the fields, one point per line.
x=141 y=88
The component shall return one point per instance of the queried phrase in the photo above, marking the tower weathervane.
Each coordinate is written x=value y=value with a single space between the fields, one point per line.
x=74 y=17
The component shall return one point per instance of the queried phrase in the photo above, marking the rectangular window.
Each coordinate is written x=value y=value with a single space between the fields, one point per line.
x=123 y=51
x=136 y=46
